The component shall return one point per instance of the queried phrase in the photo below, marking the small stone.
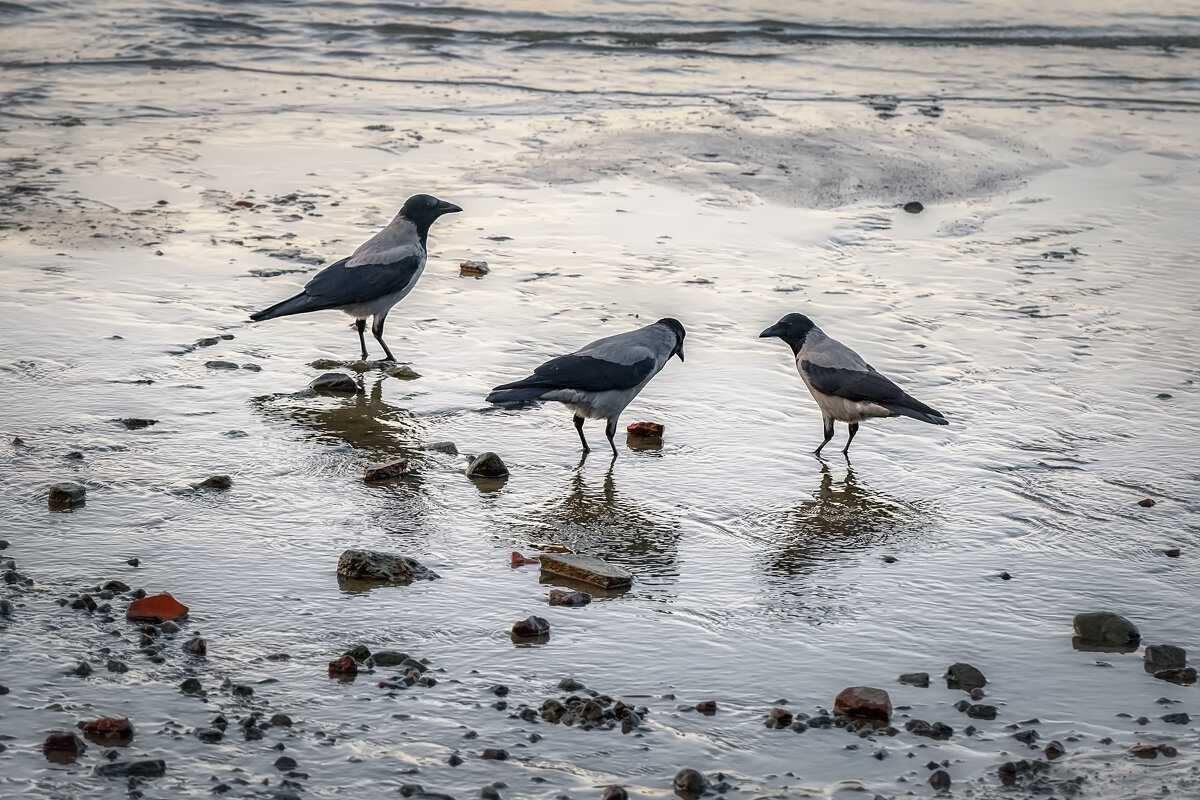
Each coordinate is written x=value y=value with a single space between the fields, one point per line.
x=241 y=690
x=965 y=677
x=196 y=646
x=218 y=482
x=382 y=472
x=1171 y=552
x=402 y=372
x=707 y=707
x=389 y=658
x=220 y=365
x=586 y=569
x=338 y=382
x=114 y=665
x=281 y=720
x=137 y=423
x=935 y=730
x=888 y=559
x=209 y=735
x=142 y=768
x=285 y=763
x=191 y=686
x=560 y=597
x=1178 y=718
x=1144 y=750
x=689 y=782
x=1027 y=736
x=864 y=702
x=914 y=207
x=63 y=747
x=1004 y=576
x=614 y=792
x=448 y=448
x=343 y=668
x=489 y=793
x=474 y=269
x=531 y=627
x=4 y=544
x=1168 y=751
x=359 y=652
x=84 y=602
x=109 y=731
x=487 y=465
x=1164 y=656
x=1106 y=629
x=981 y=711
x=977 y=693
x=156 y=609
x=1180 y=675
x=370 y=565
x=115 y=586
x=133 y=562
x=82 y=669
x=454 y=760
x=940 y=780
x=495 y=754
x=1143 y=720
x=571 y=685
x=6 y=608
x=1147 y=503
x=650 y=430
x=778 y=718
x=67 y=495
x=915 y=679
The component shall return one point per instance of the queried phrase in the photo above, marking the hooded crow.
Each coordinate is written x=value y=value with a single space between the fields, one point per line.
x=600 y=379
x=846 y=387
x=379 y=274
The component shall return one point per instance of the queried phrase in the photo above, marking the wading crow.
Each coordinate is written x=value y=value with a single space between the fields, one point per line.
x=375 y=277
x=846 y=387
x=600 y=379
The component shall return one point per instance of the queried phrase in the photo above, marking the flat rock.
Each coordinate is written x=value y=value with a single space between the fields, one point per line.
x=920 y=679
x=586 y=569
x=382 y=472
x=864 y=702
x=338 y=382
x=1106 y=629
x=371 y=565
x=487 y=465
x=142 y=768
x=67 y=495
x=1181 y=675
x=1164 y=656
x=402 y=372
x=389 y=658
x=473 y=269
x=137 y=423
x=220 y=365
x=964 y=676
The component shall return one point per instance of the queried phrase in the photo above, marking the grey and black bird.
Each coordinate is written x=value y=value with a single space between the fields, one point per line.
x=376 y=276
x=600 y=379
x=846 y=387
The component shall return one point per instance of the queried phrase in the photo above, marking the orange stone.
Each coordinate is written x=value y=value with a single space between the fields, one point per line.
x=109 y=731
x=159 y=608
x=645 y=429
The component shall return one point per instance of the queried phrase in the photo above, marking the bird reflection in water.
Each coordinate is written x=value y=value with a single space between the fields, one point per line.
x=362 y=420
x=840 y=517
x=596 y=518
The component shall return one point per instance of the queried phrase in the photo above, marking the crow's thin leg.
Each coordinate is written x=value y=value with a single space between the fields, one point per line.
x=377 y=329
x=610 y=430
x=853 y=430
x=579 y=427
x=828 y=422
x=361 y=324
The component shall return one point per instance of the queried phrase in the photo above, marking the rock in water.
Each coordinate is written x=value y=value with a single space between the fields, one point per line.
x=1181 y=675
x=334 y=382
x=560 y=597
x=531 y=627
x=940 y=780
x=370 y=565
x=449 y=448
x=864 y=702
x=220 y=365
x=343 y=668
x=1106 y=629
x=159 y=608
x=1054 y=750
x=218 y=482
x=487 y=465
x=586 y=569
x=648 y=429
x=63 y=747
x=383 y=472
x=964 y=676
x=915 y=679
x=614 y=792
x=689 y=782
x=1164 y=656
x=109 y=731
x=915 y=207
x=67 y=495
x=473 y=269
x=137 y=423
x=144 y=768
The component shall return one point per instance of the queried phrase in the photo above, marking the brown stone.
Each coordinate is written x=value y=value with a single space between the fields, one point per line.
x=562 y=597
x=1147 y=503
x=109 y=731
x=158 y=608
x=707 y=707
x=63 y=747
x=343 y=668
x=648 y=429
x=864 y=702
x=531 y=627
x=1054 y=750
x=778 y=718
x=586 y=569
x=473 y=269
x=1145 y=750
x=1180 y=675
x=381 y=472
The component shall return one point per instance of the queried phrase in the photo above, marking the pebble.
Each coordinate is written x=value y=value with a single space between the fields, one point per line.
x=281 y=720
x=67 y=494
x=1147 y=502
x=914 y=207
x=489 y=793
x=390 y=568
x=4 y=544
x=864 y=702
x=495 y=754
x=473 y=269
x=1054 y=750
x=1164 y=656
x=1106 y=629
x=334 y=382
x=778 y=718
x=63 y=747
x=6 y=608
x=1027 y=737
x=220 y=365
x=389 y=658
x=940 y=780
x=1180 y=675
x=137 y=423
x=209 y=735
x=935 y=730
x=562 y=597
x=920 y=679
x=190 y=686
x=652 y=430
x=143 y=768
x=133 y=562
x=614 y=793
x=448 y=448
x=343 y=668
x=981 y=711
x=285 y=763
x=108 y=731
x=531 y=627
x=114 y=665
x=964 y=676
x=383 y=472
x=1178 y=718
x=707 y=707
x=218 y=482
x=196 y=646
x=1171 y=552
x=689 y=782
x=487 y=465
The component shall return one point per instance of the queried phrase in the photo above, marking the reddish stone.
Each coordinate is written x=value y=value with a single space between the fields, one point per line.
x=518 y=560
x=1147 y=503
x=343 y=668
x=63 y=747
x=243 y=204
x=159 y=608
x=707 y=707
x=385 y=471
x=864 y=702
x=109 y=731
x=1168 y=750
x=531 y=627
x=646 y=429
x=196 y=646
x=1145 y=750
x=778 y=718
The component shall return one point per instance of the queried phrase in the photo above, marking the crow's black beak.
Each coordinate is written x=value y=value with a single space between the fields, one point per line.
x=679 y=351
x=446 y=208
x=769 y=332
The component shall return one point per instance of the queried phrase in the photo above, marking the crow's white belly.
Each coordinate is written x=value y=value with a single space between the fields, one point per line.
x=844 y=410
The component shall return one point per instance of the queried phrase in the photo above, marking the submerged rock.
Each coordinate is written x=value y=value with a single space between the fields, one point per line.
x=158 y=608
x=531 y=627
x=652 y=430
x=864 y=702
x=586 y=569
x=109 y=731
x=66 y=495
x=560 y=597
x=218 y=482
x=402 y=372
x=487 y=465
x=474 y=269
x=382 y=472
x=220 y=365
x=449 y=448
x=1164 y=656
x=1106 y=629
x=1181 y=675
x=389 y=658
x=1054 y=750
x=940 y=780
x=964 y=676
x=778 y=718
x=143 y=768
x=137 y=423
x=371 y=565
x=63 y=747
x=689 y=782
x=344 y=668
x=934 y=730
x=920 y=679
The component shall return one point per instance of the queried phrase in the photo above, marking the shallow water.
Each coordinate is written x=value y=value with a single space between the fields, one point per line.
x=724 y=164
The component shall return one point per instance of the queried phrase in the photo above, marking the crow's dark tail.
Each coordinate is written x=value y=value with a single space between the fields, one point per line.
x=516 y=394
x=931 y=416
x=293 y=305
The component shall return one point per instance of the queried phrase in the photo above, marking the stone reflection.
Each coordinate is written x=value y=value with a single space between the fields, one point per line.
x=840 y=516
x=591 y=515
x=362 y=420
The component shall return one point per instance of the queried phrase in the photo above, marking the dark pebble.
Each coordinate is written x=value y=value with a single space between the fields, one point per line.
x=981 y=711
x=1147 y=502
x=707 y=707
x=689 y=782
x=1180 y=675
x=495 y=754
x=940 y=780
x=285 y=763
x=209 y=735
x=144 y=768
x=1027 y=737
x=778 y=718
x=614 y=793
x=454 y=760
x=196 y=646
x=920 y=679
x=117 y=666
x=1004 y=576
x=1054 y=750
x=500 y=690
x=281 y=720
x=133 y=562
x=191 y=686
x=242 y=690
x=571 y=685
x=63 y=747
x=531 y=627
x=1179 y=718
x=914 y=207
x=489 y=793
x=1171 y=552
